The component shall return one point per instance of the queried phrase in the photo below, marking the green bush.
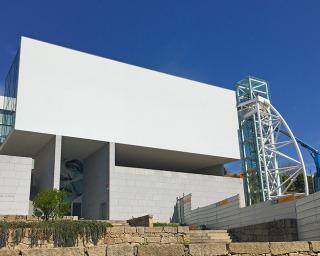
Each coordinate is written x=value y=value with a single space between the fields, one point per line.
x=164 y=224
x=64 y=233
x=50 y=204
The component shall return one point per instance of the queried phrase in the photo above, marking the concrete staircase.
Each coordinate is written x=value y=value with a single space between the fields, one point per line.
x=209 y=236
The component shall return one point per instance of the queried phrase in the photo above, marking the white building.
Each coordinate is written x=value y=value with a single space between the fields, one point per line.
x=122 y=140
x=15 y=172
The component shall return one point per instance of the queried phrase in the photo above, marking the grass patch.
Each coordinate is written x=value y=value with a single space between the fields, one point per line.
x=63 y=233
x=164 y=224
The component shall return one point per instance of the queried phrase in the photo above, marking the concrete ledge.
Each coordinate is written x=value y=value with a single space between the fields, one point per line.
x=249 y=248
x=208 y=249
x=289 y=247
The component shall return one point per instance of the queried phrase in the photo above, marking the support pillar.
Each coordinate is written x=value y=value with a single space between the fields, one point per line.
x=46 y=174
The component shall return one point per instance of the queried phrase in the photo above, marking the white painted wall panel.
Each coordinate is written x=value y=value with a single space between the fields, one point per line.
x=62 y=91
x=15 y=177
x=137 y=192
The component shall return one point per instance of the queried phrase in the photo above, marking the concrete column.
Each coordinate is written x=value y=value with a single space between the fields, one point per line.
x=112 y=154
x=112 y=163
x=47 y=166
x=95 y=196
x=57 y=162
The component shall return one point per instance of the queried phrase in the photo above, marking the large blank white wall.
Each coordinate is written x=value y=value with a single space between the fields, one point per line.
x=136 y=192
x=15 y=177
x=66 y=92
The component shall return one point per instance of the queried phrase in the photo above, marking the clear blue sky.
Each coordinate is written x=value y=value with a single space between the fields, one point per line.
x=217 y=42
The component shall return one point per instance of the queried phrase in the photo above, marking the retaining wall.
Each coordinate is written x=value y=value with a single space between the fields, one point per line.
x=274 y=231
x=115 y=236
x=214 y=249
x=228 y=214
x=308 y=217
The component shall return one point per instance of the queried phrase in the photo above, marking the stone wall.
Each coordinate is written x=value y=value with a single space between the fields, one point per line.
x=147 y=235
x=213 y=249
x=124 y=235
x=278 y=230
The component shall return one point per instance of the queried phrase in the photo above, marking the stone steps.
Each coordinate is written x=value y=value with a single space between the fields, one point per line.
x=209 y=236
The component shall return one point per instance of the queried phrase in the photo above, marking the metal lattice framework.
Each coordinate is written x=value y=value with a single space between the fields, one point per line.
x=271 y=161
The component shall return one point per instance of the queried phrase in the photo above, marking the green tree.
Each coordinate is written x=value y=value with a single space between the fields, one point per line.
x=50 y=204
x=298 y=184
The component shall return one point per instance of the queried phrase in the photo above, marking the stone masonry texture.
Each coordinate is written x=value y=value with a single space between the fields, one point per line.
x=208 y=249
x=214 y=249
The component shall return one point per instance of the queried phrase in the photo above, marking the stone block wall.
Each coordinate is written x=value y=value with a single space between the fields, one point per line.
x=121 y=235
x=213 y=249
x=278 y=230
x=147 y=235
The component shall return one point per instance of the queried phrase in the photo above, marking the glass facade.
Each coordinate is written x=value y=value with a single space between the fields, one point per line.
x=7 y=112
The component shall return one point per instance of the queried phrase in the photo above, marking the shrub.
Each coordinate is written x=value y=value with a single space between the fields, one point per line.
x=64 y=233
x=50 y=204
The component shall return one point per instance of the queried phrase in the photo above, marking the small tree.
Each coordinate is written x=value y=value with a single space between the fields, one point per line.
x=50 y=204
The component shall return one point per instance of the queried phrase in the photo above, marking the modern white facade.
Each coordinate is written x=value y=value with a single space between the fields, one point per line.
x=122 y=131
x=15 y=172
x=15 y=178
